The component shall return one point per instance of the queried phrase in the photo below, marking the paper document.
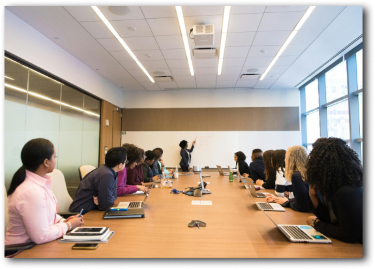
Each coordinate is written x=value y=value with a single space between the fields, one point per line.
x=197 y=202
x=139 y=192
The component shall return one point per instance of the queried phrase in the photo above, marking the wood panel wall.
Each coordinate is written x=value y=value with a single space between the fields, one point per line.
x=211 y=119
x=110 y=136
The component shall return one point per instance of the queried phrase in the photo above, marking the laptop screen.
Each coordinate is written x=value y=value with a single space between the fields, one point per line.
x=200 y=175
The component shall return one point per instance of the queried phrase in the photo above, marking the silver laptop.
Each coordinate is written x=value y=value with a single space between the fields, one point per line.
x=204 y=191
x=264 y=206
x=221 y=171
x=134 y=204
x=253 y=191
x=187 y=173
x=238 y=172
x=301 y=233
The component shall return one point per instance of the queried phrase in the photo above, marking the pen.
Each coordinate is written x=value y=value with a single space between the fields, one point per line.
x=119 y=209
x=80 y=213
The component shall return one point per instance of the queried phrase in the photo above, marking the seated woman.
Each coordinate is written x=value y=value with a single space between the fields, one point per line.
x=161 y=166
x=335 y=175
x=269 y=171
x=148 y=176
x=32 y=205
x=295 y=172
x=241 y=165
x=135 y=175
x=134 y=155
x=185 y=155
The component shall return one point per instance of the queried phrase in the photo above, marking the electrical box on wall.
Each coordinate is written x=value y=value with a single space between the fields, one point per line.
x=106 y=122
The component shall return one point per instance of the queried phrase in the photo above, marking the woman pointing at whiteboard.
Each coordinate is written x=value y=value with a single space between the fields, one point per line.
x=185 y=155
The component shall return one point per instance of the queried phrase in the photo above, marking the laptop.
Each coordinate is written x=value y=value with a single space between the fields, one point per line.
x=133 y=204
x=235 y=176
x=129 y=214
x=221 y=171
x=186 y=173
x=253 y=191
x=264 y=206
x=204 y=191
x=301 y=233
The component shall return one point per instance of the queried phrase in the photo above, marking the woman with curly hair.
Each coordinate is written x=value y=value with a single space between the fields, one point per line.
x=295 y=174
x=241 y=166
x=185 y=155
x=334 y=173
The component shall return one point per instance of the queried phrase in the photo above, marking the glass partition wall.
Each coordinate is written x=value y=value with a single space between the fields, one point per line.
x=37 y=106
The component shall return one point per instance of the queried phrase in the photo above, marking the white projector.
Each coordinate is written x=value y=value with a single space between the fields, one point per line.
x=204 y=35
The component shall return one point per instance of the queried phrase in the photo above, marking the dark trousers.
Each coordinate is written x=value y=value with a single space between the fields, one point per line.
x=184 y=168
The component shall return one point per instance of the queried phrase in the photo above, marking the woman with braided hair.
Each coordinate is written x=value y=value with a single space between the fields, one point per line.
x=334 y=174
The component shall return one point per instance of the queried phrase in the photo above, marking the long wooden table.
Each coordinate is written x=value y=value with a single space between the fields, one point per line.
x=235 y=229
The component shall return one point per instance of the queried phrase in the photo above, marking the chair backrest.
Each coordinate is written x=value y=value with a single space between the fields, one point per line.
x=60 y=191
x=84 y=170
x=6 y=218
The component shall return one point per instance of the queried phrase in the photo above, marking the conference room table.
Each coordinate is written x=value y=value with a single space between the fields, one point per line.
x=235 y=228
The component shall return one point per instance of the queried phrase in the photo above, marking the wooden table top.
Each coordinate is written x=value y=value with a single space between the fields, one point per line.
x=235 y=229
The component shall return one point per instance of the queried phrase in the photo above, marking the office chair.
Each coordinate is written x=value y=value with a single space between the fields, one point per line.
x=12 y=250
x=84 y=170
x=61 y=193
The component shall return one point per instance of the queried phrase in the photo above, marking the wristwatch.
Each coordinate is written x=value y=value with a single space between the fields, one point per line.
x=70 y=225
x=313 y=222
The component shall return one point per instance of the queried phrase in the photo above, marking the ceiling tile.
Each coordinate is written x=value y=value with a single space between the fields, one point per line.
x=166 y=85
x=286 y=8
x=135 y=14
x=97 y=29
x=272 y=76
x=121 y=56
x=286 y=60
x=236 y=52
x=202 y=10
x=141 y=43
x=280 y=21
x=321 y=17
x=180 y=72
x=148 y=55
x=205 y=71
x=151 y=86
x=197 y=63
x=151 y=71
x=81 y=13
x=226 y=83
x=217 y=21
x=205 y=77
x=164 y=26
x=170 y=42
x=178 y=63
x=174 y=54
x=268 y=51
x=293 y=50
x=247 y=9
x=159 y=11
x=271 y=38
x=143 y=79
x=130 y=65
x=258 y=61
x=246 y=83
x=122 y=28
x=232 y=77
x=265 y=83
x=233 y=62
x=240 y=39
x=184 y=78
x=305 y=37
x=186 y=84
x=260 y=70
x=279 y=68
x=244 y=22
x=110 y=44
x=137 y=73
x=231 y=70
x=155 y=64
x=206 y=84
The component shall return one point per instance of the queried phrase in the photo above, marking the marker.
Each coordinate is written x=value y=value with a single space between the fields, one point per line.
x=80 y=213
x=118 y=209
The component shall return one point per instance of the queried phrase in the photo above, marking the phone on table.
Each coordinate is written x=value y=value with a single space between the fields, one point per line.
x=85 y=246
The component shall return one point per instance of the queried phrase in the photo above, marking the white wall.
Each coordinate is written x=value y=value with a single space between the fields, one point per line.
x=212 y=98
x=27 y=43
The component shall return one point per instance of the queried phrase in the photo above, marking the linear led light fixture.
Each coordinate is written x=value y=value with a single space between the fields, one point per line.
x=122 y=42
x=224 y=32
x=290 y=37
x=181 y=21
x=49 y=99
x=8 y=77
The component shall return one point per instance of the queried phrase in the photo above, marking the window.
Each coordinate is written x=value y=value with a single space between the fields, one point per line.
x=360 y=104
x=338 y=120
x=312 y=95
x=336 y=82
x=313 y=126
x=359 y=69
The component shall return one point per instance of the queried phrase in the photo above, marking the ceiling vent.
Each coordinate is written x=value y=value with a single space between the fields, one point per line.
x=163 y=79
x=204 y=53
x=249 y=76
x=204 y=35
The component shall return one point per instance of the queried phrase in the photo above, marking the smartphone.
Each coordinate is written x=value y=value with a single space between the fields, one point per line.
x=85 y=246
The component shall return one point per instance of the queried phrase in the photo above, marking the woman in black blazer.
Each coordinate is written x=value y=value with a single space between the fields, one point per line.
x=240 y=158
x=185 y=155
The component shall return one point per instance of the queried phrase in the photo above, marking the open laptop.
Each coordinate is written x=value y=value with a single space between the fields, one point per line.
x=253 y=191
x=301 y=233
x=133 y=204
x=221 y=171
x=238 y=173
x=187 y=173
x=264 y=206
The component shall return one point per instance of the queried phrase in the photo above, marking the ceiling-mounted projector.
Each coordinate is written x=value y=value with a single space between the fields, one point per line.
x=204 y=35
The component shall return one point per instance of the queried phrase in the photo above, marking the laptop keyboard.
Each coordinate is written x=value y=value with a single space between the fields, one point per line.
x=265 y=206
x=296 y=232
x=260 y=195
x=135 y=204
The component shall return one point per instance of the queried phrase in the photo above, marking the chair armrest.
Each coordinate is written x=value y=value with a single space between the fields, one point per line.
x=67 y=214
x=17 y=247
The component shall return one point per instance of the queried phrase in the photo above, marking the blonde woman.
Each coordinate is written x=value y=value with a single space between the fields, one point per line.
x=295 y=172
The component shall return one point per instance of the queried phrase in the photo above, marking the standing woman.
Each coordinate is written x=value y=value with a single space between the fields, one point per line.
x=334 y=173
x=185 y=155
x=32 y=206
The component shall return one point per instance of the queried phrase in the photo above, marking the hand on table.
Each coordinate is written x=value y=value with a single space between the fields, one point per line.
x=280 y=200
x=75 y=221
x=259 y=182
x=245 y=175
x=156 y=178
x=143 y=188
x=270 y=198
x=310 y=220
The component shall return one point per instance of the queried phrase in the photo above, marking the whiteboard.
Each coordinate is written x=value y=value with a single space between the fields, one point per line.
x=212 y=147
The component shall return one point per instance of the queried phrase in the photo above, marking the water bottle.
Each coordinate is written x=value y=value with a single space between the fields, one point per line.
x=176 y=172
x=230 y=177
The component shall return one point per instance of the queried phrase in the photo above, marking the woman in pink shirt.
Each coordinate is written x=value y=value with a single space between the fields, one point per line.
x=32 y=206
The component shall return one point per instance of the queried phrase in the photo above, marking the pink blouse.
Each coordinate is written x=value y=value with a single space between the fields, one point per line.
x=32 y=211
x=122 y=188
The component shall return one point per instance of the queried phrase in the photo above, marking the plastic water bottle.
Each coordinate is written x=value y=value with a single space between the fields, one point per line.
x=176 y=172
x=230 y=177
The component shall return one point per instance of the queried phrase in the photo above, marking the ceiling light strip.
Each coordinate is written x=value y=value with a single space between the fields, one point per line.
x=181 y=21
x=9 y=78
x=122 y=42
x=224 y=31
x=289 y=39
x=49 y=99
